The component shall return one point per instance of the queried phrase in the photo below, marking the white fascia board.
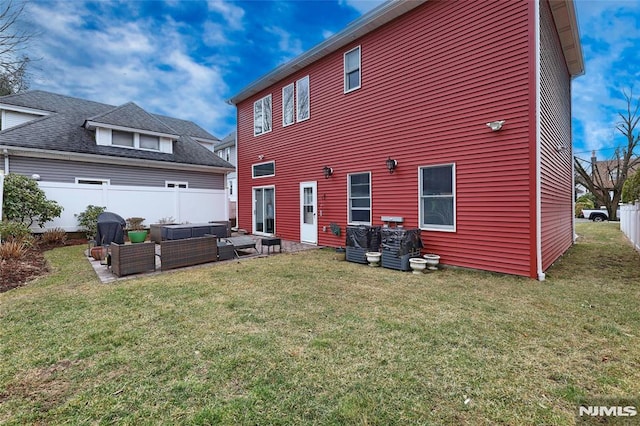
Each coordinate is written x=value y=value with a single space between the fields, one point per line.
x=25 y=110
x=93 y=124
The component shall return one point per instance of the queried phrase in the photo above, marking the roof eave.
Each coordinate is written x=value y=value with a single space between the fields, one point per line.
x=368 y=22
x=566 y=22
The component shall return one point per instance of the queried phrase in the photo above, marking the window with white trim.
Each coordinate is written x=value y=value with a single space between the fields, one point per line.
x=121 y=138
x=438 y=198
x=264 y=169
x=262 y=116
x=170 y=184
x=149 y=142
x=352 y=70
x=288 y=109
x=302 y=99
x=359 y=189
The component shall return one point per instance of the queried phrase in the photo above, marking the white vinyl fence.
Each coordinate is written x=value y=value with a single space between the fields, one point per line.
x=630 y=223
x=181 y=204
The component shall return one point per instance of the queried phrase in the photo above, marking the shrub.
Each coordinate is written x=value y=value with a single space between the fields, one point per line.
x=12 y=250
x=88 y=219
x=14 y=231
x=54 y=237
x=631 y=188
x=24 y=201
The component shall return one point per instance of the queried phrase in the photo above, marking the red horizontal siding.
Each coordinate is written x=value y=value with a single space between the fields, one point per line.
x=556 y=166
x=431 y=79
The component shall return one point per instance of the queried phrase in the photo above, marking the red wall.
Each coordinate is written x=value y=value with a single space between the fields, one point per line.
x=556 y=178
x=431 y=79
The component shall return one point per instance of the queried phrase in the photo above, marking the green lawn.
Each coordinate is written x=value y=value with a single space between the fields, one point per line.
x=304 y=339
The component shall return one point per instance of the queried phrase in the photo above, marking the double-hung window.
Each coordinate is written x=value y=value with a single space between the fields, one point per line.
x=262 y=116
x=438 y=197
x=359 y=186
x=352 y=70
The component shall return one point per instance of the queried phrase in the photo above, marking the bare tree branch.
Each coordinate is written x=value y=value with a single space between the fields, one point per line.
x=14 y=40
x=605 y=179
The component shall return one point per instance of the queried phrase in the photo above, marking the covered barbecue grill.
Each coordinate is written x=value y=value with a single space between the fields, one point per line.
x=110 y=229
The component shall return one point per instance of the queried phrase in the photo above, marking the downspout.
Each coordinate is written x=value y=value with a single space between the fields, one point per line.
x=541 y=274
x=5 y=154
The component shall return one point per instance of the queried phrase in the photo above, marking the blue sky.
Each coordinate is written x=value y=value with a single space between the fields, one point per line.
x=186 y=58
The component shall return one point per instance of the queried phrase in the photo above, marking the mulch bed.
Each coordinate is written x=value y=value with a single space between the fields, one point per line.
x=18 y=272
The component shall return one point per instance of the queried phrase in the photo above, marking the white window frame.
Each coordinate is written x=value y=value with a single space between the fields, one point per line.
x=298 y=100
x=139 y=138
x=135 y=136
x=253 y=171
x=285 y=123
x=265 y=120
x=349 y=221
x=92 y=181
x=430 y=227
x=348 y=89
x=133 y=139
x=176 y=184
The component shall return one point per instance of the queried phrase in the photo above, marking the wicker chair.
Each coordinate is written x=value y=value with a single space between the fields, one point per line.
x=188 y=251
x=127 y=259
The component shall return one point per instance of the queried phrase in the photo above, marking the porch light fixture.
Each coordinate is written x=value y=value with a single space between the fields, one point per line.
x=328 y=171
x=495 y=125
x=391 y=164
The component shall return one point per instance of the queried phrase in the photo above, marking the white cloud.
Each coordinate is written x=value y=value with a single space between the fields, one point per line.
x=288 y=46
x=116 y=60
x=232 y=14
x=611 y=42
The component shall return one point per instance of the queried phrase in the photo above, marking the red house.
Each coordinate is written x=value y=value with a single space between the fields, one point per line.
x=454 y=115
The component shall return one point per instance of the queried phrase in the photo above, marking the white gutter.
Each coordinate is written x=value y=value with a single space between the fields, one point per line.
x=106 y=159
x=5 y=154
x=541 y=274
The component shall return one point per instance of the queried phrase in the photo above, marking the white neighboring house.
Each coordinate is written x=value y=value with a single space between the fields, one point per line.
x=130 y=161
x=226 y=150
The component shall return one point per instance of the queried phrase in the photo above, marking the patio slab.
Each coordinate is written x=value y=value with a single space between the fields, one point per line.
x=106 y=276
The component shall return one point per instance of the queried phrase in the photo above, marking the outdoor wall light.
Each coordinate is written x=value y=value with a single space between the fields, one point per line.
x=328 y=171
x=496 y=125
x=391 y=164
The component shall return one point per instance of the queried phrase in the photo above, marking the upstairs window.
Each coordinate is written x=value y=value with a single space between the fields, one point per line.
x=437 y=198
x=352 y=70
x=121 y=138
x=149 y=142
x=262 y=116
x=302 y=99
x=288 y=109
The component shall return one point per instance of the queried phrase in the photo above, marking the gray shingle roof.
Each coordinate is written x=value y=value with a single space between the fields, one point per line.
x=132 y=116
x=63 y=129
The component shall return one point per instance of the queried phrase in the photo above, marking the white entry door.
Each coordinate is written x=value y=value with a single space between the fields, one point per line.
x=308 y=213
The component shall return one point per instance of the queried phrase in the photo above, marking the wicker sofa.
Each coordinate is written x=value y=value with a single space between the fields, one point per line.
x=127 y=259
x=188 y=251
